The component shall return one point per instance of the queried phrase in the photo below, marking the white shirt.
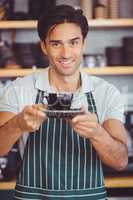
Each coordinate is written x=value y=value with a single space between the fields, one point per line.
x=23 y=91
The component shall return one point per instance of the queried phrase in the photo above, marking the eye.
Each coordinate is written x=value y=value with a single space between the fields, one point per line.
x=74 y=43
x=55 y=44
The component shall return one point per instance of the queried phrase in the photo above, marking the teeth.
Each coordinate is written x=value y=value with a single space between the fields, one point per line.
x=65 y=62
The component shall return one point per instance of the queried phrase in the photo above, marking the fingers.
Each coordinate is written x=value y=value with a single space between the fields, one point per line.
x=84 y=109
x=40 y=106
x=84 y=131
x=89 y=124
x=85 y=117
x=35 y=111
x=31 y=118
x=86 y=125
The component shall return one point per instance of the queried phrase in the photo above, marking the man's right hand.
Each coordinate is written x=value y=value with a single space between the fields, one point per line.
x=30 y=118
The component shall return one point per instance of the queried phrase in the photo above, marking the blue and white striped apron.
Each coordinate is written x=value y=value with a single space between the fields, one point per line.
x=59 y=164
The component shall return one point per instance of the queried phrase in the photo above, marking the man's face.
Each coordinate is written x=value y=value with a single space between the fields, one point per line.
x=64 y=48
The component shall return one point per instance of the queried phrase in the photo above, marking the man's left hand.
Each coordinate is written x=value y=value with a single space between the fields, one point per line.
x=86 y=125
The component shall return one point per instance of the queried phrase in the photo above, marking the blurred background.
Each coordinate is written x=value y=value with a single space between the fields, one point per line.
x=109 y=46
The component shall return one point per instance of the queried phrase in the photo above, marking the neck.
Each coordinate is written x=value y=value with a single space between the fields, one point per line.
x=61 y=83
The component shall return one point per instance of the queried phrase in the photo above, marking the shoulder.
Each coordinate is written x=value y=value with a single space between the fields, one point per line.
x=99 y=85
x=107 y=97
x=27 y=81
x=19 y=93
x=35 y=81
x=105 y=90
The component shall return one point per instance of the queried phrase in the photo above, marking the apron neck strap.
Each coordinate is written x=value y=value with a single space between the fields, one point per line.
x=91 y=103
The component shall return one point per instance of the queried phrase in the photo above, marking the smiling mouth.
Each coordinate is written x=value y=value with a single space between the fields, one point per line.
x=66 y=62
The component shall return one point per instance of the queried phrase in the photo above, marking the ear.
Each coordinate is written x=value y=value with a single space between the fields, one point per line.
x=84 y=45
x=43 y=47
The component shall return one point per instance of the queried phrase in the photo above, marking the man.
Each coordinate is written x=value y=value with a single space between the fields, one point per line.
x=62 y=157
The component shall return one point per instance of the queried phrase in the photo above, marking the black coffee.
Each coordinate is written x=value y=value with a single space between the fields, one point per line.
x=59 y=101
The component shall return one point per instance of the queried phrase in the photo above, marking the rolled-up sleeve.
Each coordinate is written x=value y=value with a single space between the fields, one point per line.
x=9 y=98
x=114 y=105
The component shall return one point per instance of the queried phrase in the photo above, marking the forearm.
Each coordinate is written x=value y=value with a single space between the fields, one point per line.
x=29 y=120
x=9 y=134
x=111 y=151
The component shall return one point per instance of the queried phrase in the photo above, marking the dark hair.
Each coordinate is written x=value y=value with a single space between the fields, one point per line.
x=59 y=15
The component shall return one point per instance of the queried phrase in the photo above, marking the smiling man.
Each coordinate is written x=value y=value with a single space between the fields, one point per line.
x=64 y=49
x=62 y=158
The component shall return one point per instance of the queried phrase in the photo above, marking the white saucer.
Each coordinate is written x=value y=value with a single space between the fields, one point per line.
x=63 y=113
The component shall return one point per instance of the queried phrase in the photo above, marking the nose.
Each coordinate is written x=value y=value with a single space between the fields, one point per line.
x=65 y=52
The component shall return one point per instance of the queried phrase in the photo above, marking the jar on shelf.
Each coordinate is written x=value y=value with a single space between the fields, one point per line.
x=100 y=11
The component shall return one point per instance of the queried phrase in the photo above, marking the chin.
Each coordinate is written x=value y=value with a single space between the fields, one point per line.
x=68 y=72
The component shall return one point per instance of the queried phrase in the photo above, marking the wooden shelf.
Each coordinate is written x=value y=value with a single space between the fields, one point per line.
x=125 y=70
x=17 y=72
x=110 y=182
x=122 y=70
x=7 y=185
x=119 y=182
x=25 y=24
x=117 y=23
x=94 y=23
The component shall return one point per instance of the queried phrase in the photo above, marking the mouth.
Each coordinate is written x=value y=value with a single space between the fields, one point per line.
x=66 y=62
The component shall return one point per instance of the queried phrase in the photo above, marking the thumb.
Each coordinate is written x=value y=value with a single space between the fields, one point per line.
x=84 y=109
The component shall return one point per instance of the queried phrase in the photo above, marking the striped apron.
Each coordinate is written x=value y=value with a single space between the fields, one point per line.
x=59 y=164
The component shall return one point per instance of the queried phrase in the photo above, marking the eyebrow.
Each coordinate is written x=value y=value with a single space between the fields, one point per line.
x=60 y=41
x=76 y=38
